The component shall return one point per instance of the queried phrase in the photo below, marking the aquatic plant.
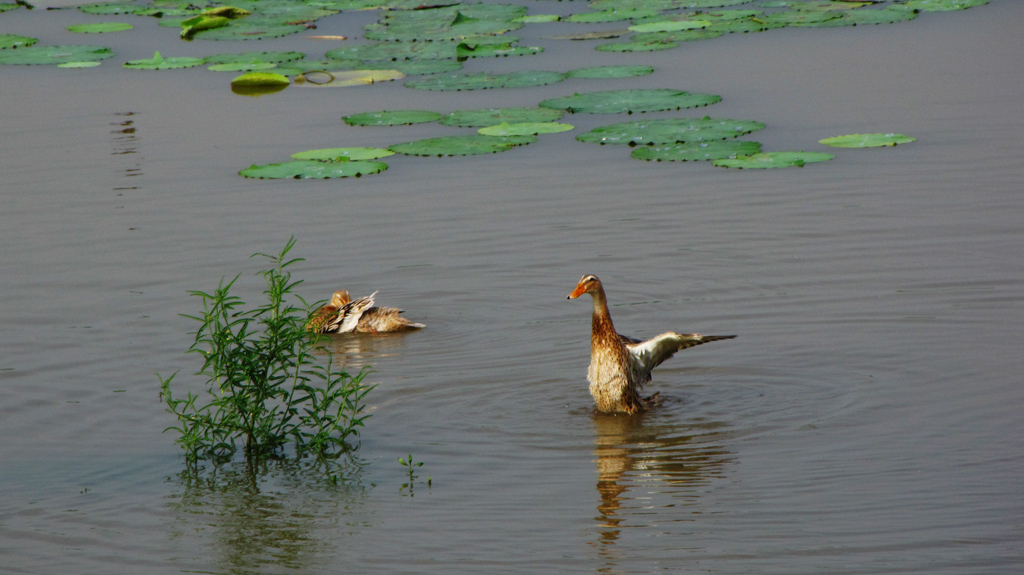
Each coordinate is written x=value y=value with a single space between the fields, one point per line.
x=411 y=467
x=867 y=140
x=265 y=385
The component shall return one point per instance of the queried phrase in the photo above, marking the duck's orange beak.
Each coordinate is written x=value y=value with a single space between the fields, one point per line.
x=580 y=290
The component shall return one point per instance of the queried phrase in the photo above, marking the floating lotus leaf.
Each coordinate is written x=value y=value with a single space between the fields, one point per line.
x=158 y=62
x=598 y=35
x=619 y=101
x=78 y=65
x=670 y=130
x=4 y=7
x=99 y=27
x=343 y=154
x=55 y=54
x=743 y=25
x=827 y=5
x=249 y=31
x=621 y=5
x=461 y=145
x=13 y=41
x=797 y=18
x=476 y=50
x=773 y=160
x=538 y=18
x=110 y=9
x=309 y=169
x=612 y=15
x=600 y=72
x=701 y=151
x=247 y=57
x=867 y=140
x=722 y=15
x=392 y=118
x=636 y=46
x=494 y=116
x=939 y=5
x=346 y=78
x=887 y=15
x=676 y=37
x=525 y=129
x=414 y=67
x=484 y=81
x=670 y=26
x=296 y=67
x=242 y=67
x=397 y=51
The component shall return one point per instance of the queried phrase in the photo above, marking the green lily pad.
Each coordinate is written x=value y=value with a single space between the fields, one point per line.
x=939 y=5
x=110 y=9
x=414 y=67
x=676 y=37
x=99 y=27
x=249 y=31
x=629 y=101
x=636 y=46
x=887 y=15
x=525 y=129
x=248 y=57
x=867 y=140
x=55 y=54
x=670 y=130
x=461 y=145
x=78 y=65
x=343 y=154
x=5 y=6
x=538 y=18
x=494 y=116
x=773 y=160
x=601 y=72
x=13 y=41
x=827 y=5
x=397 y=51
x=494 y=50
x=242 y=67
x=310 y=169
x=797 y=18
x=484 y=81
x=158 y=62
x=296 y=67
x=612 y=15
x=392 y=118
x=700 y=151
x=670 y=26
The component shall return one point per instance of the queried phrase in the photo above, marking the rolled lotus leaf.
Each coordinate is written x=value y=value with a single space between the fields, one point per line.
x=254 y=79
x=192 y=26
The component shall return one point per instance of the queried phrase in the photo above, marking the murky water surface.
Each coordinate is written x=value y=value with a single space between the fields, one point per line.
x=866 y=420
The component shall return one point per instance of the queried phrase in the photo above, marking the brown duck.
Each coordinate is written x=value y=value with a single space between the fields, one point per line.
x=621 y=365
x=343 y=315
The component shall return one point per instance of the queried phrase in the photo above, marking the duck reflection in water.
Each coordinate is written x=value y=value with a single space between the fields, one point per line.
x=639 y=459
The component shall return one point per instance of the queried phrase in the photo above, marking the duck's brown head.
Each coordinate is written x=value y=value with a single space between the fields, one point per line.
x=340 y=298
x=588 y=284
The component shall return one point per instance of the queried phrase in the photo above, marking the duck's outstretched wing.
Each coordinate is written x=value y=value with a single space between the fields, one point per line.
x=647 y=355
x=348 y=315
